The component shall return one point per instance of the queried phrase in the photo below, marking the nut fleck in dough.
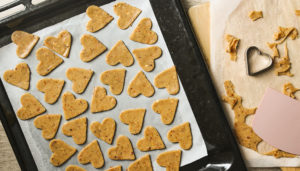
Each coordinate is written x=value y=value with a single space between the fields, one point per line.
x=19 y=77
x=76 y=129
x=255 y=15
x=123 y=149
x=141 y=164
x=80 y=78
x=119 y=54
x=279 y=154
x=92 y=48
x=60 y=44
x=48 y=123
x=181 y=134
x=105 y=130
x=31 y=107
x=274 y=48
x=115 y=79
x=127 y=14
x=74 y=168
x=25 y=42
x=285 y=32
x=146 y=56
x=290 y=90
x=140 y=85
x=168 y=79
x=151 y=140
x=101 y=101
x=166 y=108
x=51 y=87
x=134 y=118
x=99 y=18
x=283 y=65
x=91 y=154
x=61 y=152
x=116 y=168
x=170 y=160
x=143 y=33
x=73 y=107
x=48 y=61
x=232 y=46
x=297 y=12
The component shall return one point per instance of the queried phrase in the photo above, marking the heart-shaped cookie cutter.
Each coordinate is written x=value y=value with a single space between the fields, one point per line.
x=247 y=55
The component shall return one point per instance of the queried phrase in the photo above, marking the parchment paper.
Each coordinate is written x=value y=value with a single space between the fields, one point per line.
x=231 y=17
x=108 y=36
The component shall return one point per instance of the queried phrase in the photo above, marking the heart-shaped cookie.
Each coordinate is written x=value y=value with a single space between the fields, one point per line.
x=116 y=168
x=73 y=107
x=127 y=14
x=134 y=118
x=181 y=134
x=105 y=130
x=19 y=77
x=143 y=33
x=48 y=61
x=170 y=160
x=31 y=107
x=101 y=101
x=60 y=44
x=142 y=164
x=61 y=152
x=80 y=78
x=91 y=154
x=92 y=48
x=140 y=85
x=25 y=42
x=146 y=57
x=166 y=108
x=123 y=150
x=99 y=18
x=168 y=79
x=119 y=54
x=49 y=124
x=51 y=87
x=74 y=168
x=76 y=129
x=115 y=79
x=151 y=140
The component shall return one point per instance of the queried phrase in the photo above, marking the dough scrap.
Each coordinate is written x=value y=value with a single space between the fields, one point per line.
x=105 y=130
x=101 y=101
x=170 y=160
x=19 y=77
x=60 y=44
x=143 y=33
x=123 y=149
x=181 y=134
x=134 y=118
x=273 y=47
x=51 y=87
x=25 y=42
x=284 y=32
x=146 y=57
x=115 y=78
x=91 y=154
x=49 y=124
x=297 y=12
x=31 y=107
x=74 y=168
x=290 y=90
x=142 y=164
x=92 y=48
x=283 y=65
x=232 y=46
x=76 y=129
x=151 y=140
x=73 y=107
x=127 y=14
x=116 y=168
x=279 y=154
x=80 y=78
x=119 y=54
x=99 y=18
x=166 y=108
x=48 y=61
x=168 y=79
x=255 y=15
x=61 y=152
x=140 y=85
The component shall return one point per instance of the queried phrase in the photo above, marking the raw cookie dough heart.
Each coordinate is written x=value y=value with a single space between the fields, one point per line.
x=170 y=160
x=48 y=61
x=116 y=168
x=61 y=44
x=101 y=101
x=166 y=108
x=181 y=134
x=91 y=154
x=119 y=54
x=31 y=107
x=19 y=77
x=146 y=57
x=105 y=130
x=92 y=48
x=123 y=150
x=140 y=85
x=141 y=164
x=73 y=107
x=76 y=129
x=80 y=78
x=115 y=79
x=134 y=118
x=61 y=152
x=143 y=33
x=99 y=18
x=49 y=124
x=51 y=87
x=74 y=168
x=127 y=14
x=25 y=42
x=151 y=141
x=168 y=79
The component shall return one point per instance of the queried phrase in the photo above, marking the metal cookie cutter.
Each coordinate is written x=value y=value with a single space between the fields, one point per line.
x=247 y=55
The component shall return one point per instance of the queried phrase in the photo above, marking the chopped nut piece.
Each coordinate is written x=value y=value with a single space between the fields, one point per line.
x=232 y=46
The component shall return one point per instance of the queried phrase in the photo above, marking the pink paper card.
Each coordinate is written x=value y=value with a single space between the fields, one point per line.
x=277 y=121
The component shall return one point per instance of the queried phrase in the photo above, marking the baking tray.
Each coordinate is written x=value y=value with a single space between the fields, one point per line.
x=223 y=151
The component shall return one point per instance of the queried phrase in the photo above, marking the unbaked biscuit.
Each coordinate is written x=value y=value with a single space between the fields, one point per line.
x=141 y=164
x=51 y=87
x=74 y=168
x=134 y=118
x=146 y=57
x=99 y=18
x=92 y=48
x=168 y=79
x=48 y=123
x=101 y=101
x=151 y=140
x=91 y=154
x=123 y=149
x=119 y=54
x=19 y=77
x=170 y=160
x=73 y=107
x=105 y=130
x=80 y=78
x=140 y=85
x=76 y=129
x=166 y=108
x=143 y=33
x=48 y=61
x=31 y=107
x=181 y=134
x=25 y=42
x=61 y=152
x=115 y=78
x=127 y=14
x=116 y=168
x=60 y=44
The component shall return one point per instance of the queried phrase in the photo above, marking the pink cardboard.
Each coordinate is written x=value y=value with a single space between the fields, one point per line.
x=277 y=121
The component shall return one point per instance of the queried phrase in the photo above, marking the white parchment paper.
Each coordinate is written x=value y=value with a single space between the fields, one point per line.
x=108 y=36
